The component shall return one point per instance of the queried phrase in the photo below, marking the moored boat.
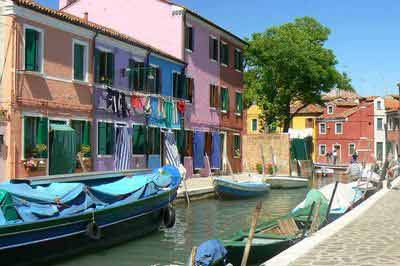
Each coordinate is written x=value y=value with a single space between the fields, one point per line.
x=32 y=218
x=226 y=188
x=286 y=182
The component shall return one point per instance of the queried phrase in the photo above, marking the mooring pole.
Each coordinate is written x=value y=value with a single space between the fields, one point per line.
x=309 y=218
x=251 y=234
x=331 y=201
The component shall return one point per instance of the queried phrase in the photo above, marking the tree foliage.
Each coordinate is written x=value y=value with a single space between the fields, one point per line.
x=290 y=63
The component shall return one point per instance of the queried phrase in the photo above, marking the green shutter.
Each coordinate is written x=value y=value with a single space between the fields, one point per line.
x=224 y=99
x=239 y=103
x=109 y=138
x=43 y=134
x=28 y=136
x=110 y=68
x=138 y=139
x=102 y=138
x=131 y=73
x=79 y=55
x=97 y=66
x=86 y=133
x=31 y=50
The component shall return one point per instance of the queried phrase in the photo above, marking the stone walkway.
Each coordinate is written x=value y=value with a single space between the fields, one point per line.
x=373 y=239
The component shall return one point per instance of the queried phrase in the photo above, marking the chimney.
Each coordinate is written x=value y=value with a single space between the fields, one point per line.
x=86 y=16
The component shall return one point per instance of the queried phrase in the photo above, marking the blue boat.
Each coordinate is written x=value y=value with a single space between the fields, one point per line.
x=230 y=189
x=61 y=219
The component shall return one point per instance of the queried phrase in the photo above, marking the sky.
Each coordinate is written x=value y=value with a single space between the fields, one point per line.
x=365 y=34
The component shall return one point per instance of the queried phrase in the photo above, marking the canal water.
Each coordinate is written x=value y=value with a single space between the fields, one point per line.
x=204 y=219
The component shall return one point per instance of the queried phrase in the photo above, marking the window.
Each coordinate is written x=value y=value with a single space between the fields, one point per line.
x=105 y=138
x=254 y=125
x=154 y=140
x=82 y=133
x=189 y=38
x=339 y=128
x=238 y=60
x=236 y=146
x=238 y=103
x=139 y=139
x=309 y=123
x=213 y=48
x=330 y=109
x=80 y=61
x=352 y=148
x=153 y=80
x=179 y=86
x=213 y=96
x=379 y=151
x=36 y=132
x=379 y=123
x=190 y=88
x=33 y=50
x=322 y=149
x=379 y=105
x=137 y=75
x=322 y=128
x=104 y=67
x=224 y=102
x=224 y=54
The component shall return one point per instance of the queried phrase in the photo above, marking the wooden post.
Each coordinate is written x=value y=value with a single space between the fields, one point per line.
x=251 y=234
x=273 y=161
x=308 y=218
x=331 y=201
x=193 y=256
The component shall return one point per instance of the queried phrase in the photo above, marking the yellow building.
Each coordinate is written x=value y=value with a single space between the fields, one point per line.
x=253 y=121
x=305 y=120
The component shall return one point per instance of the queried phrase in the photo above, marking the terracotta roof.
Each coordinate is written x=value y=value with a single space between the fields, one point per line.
x=338 y=93
x=343 y=114
x=371 y=98
x=344 y=102
x=309 y=109
x=392 y=104
x=91 y=26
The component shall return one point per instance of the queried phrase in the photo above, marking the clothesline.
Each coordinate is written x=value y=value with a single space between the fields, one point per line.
x=136 y=93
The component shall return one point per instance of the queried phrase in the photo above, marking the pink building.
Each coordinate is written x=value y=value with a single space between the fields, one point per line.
x=204 y=45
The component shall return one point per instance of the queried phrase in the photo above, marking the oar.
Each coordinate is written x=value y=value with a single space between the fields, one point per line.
x=331 y=201
x=193 y=256
x=251 y=233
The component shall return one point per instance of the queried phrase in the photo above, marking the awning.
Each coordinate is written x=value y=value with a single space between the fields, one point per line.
x=60 y=127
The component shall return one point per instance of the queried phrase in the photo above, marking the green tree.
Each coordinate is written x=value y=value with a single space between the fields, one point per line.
x=290 y=63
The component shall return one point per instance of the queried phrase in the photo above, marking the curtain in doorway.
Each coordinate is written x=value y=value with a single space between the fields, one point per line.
x=198 y=150
x=123 y=149
x=171 y=153
x=62 y=149
x=216 y=151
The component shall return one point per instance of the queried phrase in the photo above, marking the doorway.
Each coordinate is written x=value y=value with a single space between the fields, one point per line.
x=338 y=151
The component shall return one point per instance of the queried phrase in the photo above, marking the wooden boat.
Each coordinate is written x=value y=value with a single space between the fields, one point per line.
x=286 y=182
x=85 y=217
x=226 y=188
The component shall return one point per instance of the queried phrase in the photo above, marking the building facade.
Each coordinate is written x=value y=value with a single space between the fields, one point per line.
x=347 y=126
x=214 y=70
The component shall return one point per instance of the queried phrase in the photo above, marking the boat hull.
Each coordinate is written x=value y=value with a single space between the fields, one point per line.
x=235 y=190
x=286 y=182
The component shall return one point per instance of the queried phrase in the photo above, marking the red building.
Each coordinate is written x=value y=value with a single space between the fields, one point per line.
x=346 y=125
x=393 y=121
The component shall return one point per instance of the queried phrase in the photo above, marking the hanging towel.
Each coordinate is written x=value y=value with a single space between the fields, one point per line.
x=124 y=107
x=171 y=153
x=181 y=106
x=198 y=150
x=122 y=155
x=216 y=151
x=168 y=114
x=136 y=102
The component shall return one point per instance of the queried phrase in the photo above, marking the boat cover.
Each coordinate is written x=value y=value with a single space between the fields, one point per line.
x=303 y=209
x=209 y=252
x=23 y=203
x=344 y=198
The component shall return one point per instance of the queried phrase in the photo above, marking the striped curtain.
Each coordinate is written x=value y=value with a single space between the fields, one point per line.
x=123 y=150
x=171 y=151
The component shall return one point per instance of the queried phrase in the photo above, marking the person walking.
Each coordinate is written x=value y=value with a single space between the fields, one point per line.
x=334 y=155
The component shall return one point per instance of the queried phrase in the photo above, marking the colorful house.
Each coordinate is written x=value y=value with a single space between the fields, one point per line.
x=392 y=107
x=253 y=122
x=85 y=102
x=214 y=69
x=347 y=125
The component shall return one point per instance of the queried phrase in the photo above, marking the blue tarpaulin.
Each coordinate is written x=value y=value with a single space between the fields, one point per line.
x=198 y=150
x=210 y=252
x=216 y=151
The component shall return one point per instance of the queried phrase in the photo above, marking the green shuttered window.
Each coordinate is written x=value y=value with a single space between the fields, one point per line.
x=79 y=62
x=213 y=43
x=239 y=103
x=238 y=60
x=105 y=138
x=224 y=54
x=139 y=139
x=82 y=130
x=154 y=141
x=36 y=134
x=224 y=100
x=180 y=88
x=236 y=145
x=32 y=50
x=104 y=67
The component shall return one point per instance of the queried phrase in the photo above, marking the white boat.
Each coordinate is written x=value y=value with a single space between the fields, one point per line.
x=277 y=182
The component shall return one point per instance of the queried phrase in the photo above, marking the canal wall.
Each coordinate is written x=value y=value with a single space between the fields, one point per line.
x=271 y=145
x=367 y=235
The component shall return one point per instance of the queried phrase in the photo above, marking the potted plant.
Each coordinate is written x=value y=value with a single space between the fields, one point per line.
x=30 y=165
x=85 y=149
x=259 y=168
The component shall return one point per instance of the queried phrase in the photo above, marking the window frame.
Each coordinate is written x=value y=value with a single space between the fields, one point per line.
x=236 y=103
x=107 y=51
x=336 y=132
x=240 y=145
x=319 y=129
x=328 y=109
x=85 y=60
x=213 y=100
x=319 y=149
x=349 y=149
x=252 y=125
x=190 y=43
x=212 y=59
x=238 y=52
x=222 y=88
x=40 y=50
x=382 y=126
x=97 y=138
x=378 y=105
x=222 y=45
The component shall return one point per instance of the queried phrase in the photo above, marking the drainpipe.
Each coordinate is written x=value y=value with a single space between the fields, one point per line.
x=93 y=128
x=13 y=116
